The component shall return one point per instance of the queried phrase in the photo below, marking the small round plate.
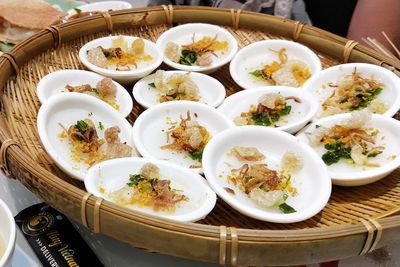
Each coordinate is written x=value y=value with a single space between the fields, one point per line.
x=347 y=174
x=112 y=175
x=8 y=234
x=312 y=182
x=211 y=91
x=300 y=113
x=256 y=55
x=149 y=130
x=67 y=110
x=183 y=34
x=124 y=77
x=319 y=85
x=100 y=6
x=55 y=82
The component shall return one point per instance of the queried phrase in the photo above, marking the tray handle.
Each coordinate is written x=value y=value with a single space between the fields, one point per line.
x=11 y=58
x=3 y=156
x=235 y=14
x=298 y=27
x=108 y=20
x=347 y=50
x=224 y=232
x=83 y=209
x=96 y=212
x=169 y=13
x=372 y=239
x=56 y=36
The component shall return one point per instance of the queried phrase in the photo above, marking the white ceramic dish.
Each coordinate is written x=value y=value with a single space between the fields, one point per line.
x=68 y=109
x=114 y=174
x=100 y=6
x=300 y=114
x=7 y=235
x=390 y=94
x=124 y=77
x=55 y=82
x=183 y=34
x=312 y=181
x=149 y=130
x=347 y=174
x=211 y=91
x=256 y=55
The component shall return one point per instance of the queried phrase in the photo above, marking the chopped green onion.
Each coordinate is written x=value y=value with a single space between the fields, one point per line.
x=134 y=179
x=94 y=90
x=188 y=57
x=197 y=154
x=81 y=126
x=335 y=152
x=257 y=73
x=285 y=208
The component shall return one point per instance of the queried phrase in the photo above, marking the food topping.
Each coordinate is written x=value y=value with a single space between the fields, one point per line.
x=105 y=90
x=175 y=87
x=243 y=153
x=119 y=56
x=188 y=136
x=350 y=140
x=271 y=107
x=286 y=72
x=87 y=147
x=354 y=92
x=115 y=149
x=267 y=187
x=198 y=53
x=148 y=189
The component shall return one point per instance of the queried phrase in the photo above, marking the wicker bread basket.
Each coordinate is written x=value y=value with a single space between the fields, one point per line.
x=355 y=221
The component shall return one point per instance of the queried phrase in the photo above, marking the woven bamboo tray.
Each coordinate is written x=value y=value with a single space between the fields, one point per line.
x=355 y=221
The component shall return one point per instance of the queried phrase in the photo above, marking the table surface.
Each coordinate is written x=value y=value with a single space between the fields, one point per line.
x=115 y=253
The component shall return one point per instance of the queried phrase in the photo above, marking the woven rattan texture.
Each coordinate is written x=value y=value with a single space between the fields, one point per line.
x=20 y=104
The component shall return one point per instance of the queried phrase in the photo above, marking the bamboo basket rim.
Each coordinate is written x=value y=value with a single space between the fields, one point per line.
x=305 y=34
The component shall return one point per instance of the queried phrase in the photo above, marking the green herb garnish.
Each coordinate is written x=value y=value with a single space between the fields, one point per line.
x=79 y=11
x=174 y=95
x=266 y=119
x=152 y=85
x=285 y=111
x=81 y=126
x=366 y=98
x=262 y=119
x=285 y=208
x=197 y=154
x=94 y=90
x=257 y=73
x=188 y=57
x=101 y=126
x=134 y=179
x=374 y=154
x=336 y=151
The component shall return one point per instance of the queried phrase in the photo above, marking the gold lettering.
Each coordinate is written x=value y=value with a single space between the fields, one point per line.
x=63 y=248
x=55 y=239
x=68 y=255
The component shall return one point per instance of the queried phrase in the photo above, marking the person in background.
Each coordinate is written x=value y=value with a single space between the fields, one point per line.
x=371 y=17
x=357 y=19
x=354 y=19
x=291 y=9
